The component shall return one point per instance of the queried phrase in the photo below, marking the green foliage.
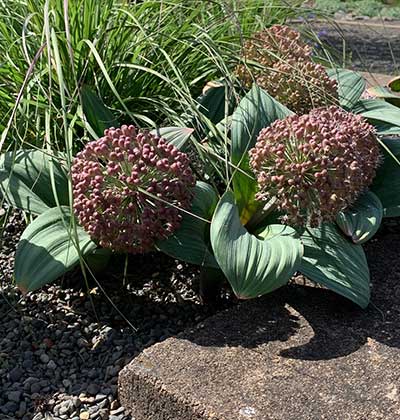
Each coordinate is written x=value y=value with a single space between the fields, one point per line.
x=191 y=242
x=178 y=136
x=33 y=180
x=333 y=261
x=351 y=86
x=361 y=221
x=49 y=247
x=255 y=111
x=378 y=111
x=145 y=63
x=144 y=60
x=97 y=115
x=387 y=181
x=252 y=266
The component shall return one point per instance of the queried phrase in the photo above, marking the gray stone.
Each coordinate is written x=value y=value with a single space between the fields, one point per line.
x=22 y=409
x=44 y=358
x=16 y=374
x=52 y=365
x=93 y=389
x=14 y=396
x=10 y=407
x=35 y=387
x=300 y=352
x=117 y=411
x=100 y=397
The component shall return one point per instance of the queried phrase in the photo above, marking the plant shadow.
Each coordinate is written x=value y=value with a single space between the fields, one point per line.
x=311 y=323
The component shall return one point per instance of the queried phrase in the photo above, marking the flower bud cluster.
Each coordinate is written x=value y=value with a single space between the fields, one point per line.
x=128 y=187
x=286 y=71
x=315 y=164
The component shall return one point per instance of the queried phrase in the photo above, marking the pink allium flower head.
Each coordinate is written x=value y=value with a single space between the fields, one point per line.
x=285 y=70
x=316 y=164
x=128 y=187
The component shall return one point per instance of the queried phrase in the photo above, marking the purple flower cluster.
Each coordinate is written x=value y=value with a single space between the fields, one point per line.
x=316 y=164
x=286 y=71
x=128 y=187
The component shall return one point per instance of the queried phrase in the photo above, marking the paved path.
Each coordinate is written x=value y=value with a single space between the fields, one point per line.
x=368 y=45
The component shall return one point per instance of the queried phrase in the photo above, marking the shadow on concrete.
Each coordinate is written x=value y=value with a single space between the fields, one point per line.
x=314 y=323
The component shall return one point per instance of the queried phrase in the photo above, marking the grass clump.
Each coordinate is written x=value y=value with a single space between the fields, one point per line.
x=141 y=58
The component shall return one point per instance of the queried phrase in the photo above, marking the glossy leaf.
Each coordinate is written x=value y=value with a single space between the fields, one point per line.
x=256 y=110
x=97 y=115
x=377 y=109
x=178 y=136
x=332 y=260
x=47 y=249
x=361 y=221
x=252 y=266
x=26 y=180
x=351 y=86
x=190 y=242
x=386 y=184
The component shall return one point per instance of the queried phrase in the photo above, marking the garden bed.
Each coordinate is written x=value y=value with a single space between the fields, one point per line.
x=125 y=193
x=61 y=348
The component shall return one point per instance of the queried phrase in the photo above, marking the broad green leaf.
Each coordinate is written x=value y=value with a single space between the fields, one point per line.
x=47 y=249
x=178 y=136
x=256 y=110
x=97 y=115
x=190 y=242
x=381 y=92
x=383 y=129
x=25 y=180
x=212 y=103
x=332 y=260
x=351 y=86
x=394 y=84
x=245 y=188
x=386 y=184
x=361 y=221
x=377 y=109
x=252 y=266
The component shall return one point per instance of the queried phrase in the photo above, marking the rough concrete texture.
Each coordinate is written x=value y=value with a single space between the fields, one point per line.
x=299 y=353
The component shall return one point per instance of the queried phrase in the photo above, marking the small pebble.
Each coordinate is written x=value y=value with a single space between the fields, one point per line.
x=44 y=358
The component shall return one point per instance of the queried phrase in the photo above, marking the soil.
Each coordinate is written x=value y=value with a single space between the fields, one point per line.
x=371 y=46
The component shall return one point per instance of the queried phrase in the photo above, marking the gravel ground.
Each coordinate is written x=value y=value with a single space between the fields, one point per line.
x=61 y=348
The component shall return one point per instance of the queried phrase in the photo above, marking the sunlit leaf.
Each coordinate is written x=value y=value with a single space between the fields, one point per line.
x=47 y=249
x=178 y=136
x=351 y=86
x=256 y=110
x=252 y=266
x=26 y=180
